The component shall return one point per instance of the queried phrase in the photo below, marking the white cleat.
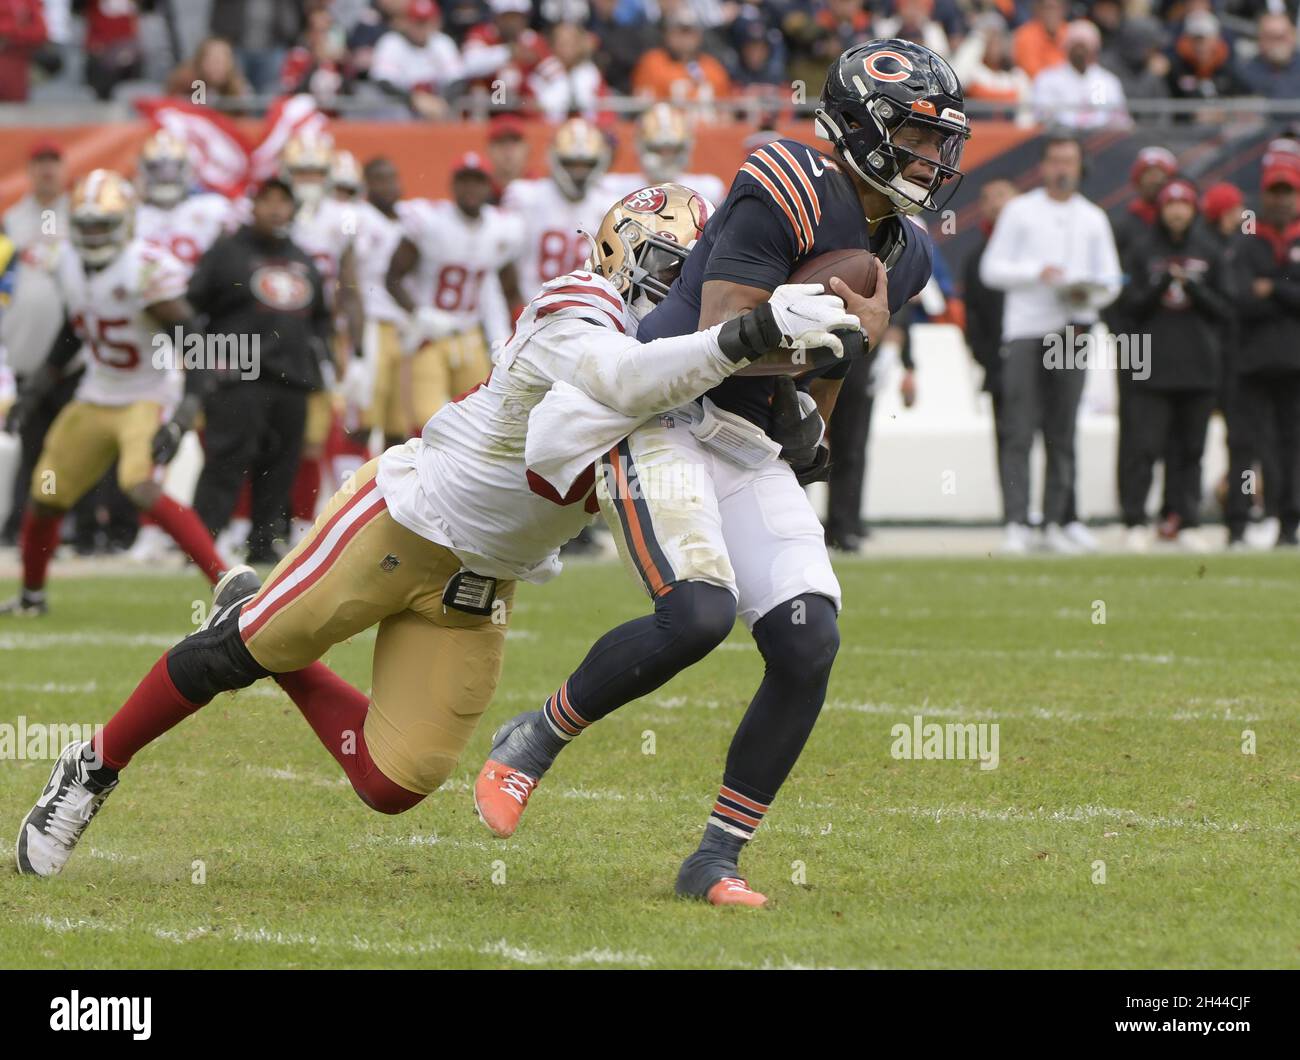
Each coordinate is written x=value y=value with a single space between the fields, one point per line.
x=1191 y=540
x=69 y=802
x=1056 y=540
x=1081 y=536
x=1015 y=540
x=152 y=544
x=1137 y=539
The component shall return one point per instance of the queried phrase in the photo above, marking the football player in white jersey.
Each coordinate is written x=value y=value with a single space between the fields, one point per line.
x=663 y=145
x=454 y=265
x=373 y=383
x=556 y=213
x=427 y=542
x=125 y=299
x=324 y=226
x=346 y=182
x=186 y=224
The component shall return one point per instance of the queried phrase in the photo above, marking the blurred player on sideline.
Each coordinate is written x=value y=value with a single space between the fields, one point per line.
x=555 y=213
x=664 y=144
x=169 y=215
x=453 y=252
x=125 y=299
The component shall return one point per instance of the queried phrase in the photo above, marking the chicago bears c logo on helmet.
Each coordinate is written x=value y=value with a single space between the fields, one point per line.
x=647 y=200
x=901 y=74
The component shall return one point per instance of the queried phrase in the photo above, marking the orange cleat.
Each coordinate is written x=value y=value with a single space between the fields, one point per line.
x=733 y=891
x=500 y=795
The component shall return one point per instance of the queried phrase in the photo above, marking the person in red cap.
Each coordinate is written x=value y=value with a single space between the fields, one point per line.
x=1151 y=169
x=453 y=277
x=1267 y=368
x=1222 y=206
x=1153 y=166
x=508 y=153
x=1178 y=305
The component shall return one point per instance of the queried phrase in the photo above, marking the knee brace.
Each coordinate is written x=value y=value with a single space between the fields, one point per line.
x=213 y=660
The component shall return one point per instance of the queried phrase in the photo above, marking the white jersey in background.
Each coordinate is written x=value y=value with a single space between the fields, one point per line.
x=188 y=228
x=551 y=228
x=377 y=236
x=399 y=61
x=324 y=232
x=460 y=258
x=464 y=484
x=121 y=341
x=620 y=185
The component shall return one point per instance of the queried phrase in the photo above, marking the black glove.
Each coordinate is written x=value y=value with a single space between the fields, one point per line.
x=166 y=442
x=31 y=395
x=818 y=470
x=794 y=431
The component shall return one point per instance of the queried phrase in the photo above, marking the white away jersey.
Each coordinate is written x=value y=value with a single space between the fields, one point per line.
x=377 y=236
x=464 y=484
x=460 y=258
x=551 y=228
x=108 y=309
x=188 y=228
x=324 y=232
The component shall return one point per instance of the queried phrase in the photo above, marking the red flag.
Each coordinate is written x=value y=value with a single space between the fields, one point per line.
x=220 y=153
x=288 y=116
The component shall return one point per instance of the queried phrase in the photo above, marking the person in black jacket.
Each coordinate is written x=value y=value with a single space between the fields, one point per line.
x=260 y=289
x=1178 y=299
x=1267 y=268
x=984 y=304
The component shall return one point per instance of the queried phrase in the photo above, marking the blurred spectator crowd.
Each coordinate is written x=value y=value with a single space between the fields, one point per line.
x=1081 y=62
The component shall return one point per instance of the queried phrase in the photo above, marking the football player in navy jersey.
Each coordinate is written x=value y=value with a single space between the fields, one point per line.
x=707 y=502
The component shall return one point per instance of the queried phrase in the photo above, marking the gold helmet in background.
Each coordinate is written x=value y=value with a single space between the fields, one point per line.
x=345 y=175
x=101 y=216
x=305 y=164
x=643 y=240
x=663 y=143
x=579 y=156
x=164 y=171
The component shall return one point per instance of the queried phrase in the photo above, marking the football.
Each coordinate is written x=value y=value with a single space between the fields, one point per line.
x=855 y=267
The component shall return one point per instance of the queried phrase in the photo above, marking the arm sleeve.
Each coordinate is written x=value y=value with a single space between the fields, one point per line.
x=634 y=378
x=756 y=246
x=1004 y=265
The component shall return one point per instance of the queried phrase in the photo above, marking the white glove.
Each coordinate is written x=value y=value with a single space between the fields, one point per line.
x=806 y=315
x=426 y=324
x=358 y=384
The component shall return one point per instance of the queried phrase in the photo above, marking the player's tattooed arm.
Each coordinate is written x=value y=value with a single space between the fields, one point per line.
x=721 y=300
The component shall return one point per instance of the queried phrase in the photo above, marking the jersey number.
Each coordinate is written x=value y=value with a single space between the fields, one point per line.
x=560 y=252
x=123 y=356
x=457 y=289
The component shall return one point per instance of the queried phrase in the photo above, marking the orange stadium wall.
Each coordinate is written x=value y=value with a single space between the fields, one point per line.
x=423 y=153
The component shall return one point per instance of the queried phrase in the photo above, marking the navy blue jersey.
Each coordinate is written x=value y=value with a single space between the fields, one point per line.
x=787 y=204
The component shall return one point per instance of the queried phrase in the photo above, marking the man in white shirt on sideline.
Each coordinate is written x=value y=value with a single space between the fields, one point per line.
x=1053 y=253
x=1080 y=93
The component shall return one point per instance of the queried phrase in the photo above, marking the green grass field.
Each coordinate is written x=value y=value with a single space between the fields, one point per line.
x=1120 y=744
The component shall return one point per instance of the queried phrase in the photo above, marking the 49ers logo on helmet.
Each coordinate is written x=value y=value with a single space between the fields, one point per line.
x=280 y=288
x=901 y=74
x=647 y=200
